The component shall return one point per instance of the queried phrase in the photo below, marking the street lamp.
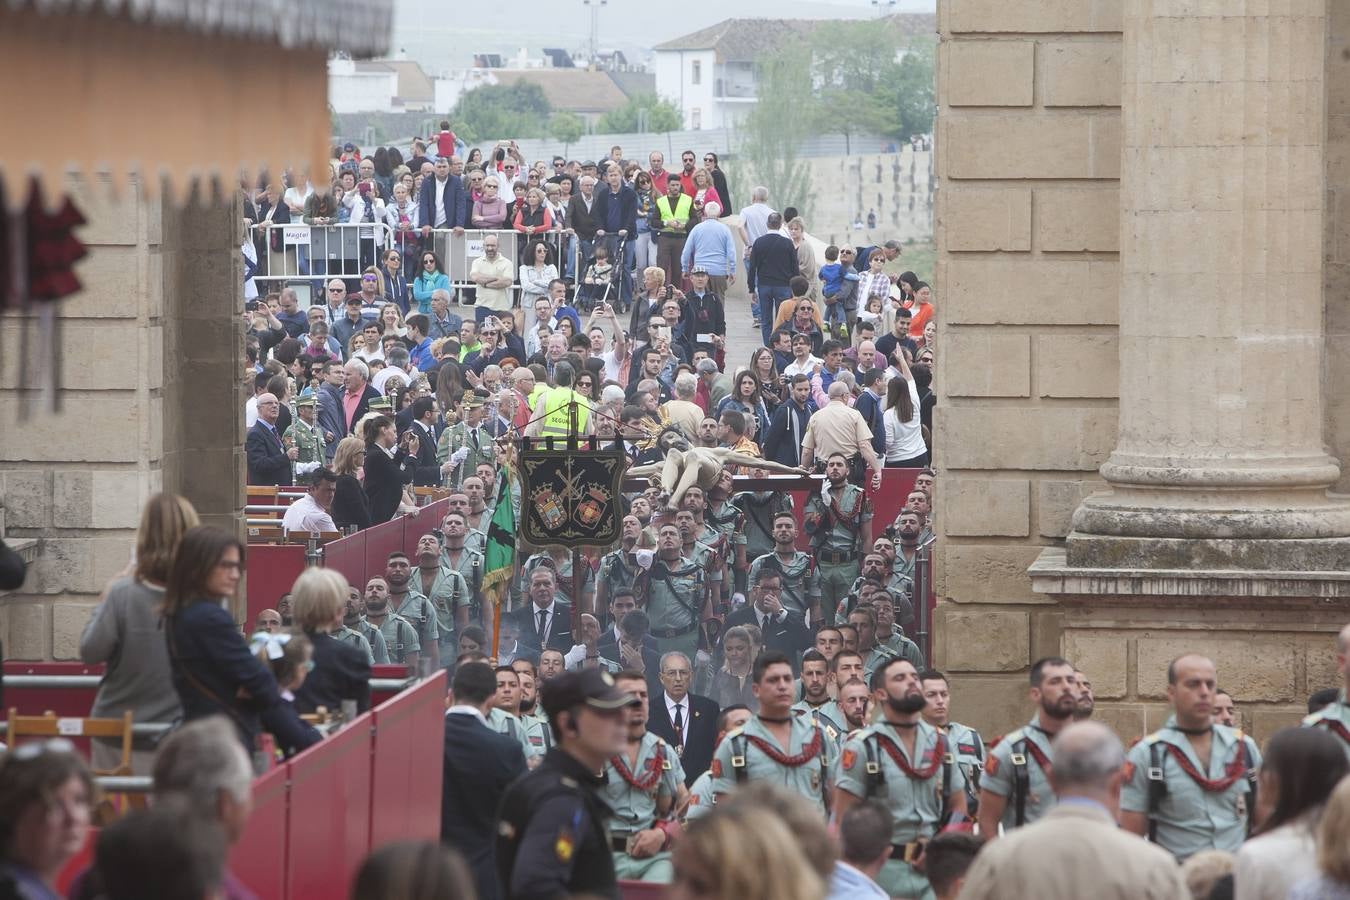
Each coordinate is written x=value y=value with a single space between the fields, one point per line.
x=883 y=7
x=595 y=6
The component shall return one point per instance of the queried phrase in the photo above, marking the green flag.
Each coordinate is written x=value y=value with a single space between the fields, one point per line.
x=499 y=557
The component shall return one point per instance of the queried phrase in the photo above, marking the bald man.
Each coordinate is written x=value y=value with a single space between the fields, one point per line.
x=269 y=462
x=1335 y=716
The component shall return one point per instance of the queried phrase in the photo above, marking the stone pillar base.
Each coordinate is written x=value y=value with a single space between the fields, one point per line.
x=1088 y=552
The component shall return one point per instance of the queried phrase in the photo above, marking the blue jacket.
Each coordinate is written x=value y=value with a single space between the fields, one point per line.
x=212 y=665
x=779 y=441
x=870 y=408
x=267 y=461
x=627 y=201
x=455 y=198
x=479 y=764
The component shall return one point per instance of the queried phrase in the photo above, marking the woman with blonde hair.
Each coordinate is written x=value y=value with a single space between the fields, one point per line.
x=393 y=320
x=340 y=673
x=350 y=504
x=125 y=633
x=742 y=853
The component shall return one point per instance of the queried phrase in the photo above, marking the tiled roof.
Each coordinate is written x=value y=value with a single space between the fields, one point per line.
x=574 y=90
x=742 y=40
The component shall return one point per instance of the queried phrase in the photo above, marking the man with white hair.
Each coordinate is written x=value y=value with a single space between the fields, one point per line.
x=580 y=218
x=839 y=428
x=711 y=249
x=1076 y=850
x=681 y=410
x=358 y=394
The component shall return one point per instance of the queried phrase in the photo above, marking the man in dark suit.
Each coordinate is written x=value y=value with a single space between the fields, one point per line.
x=696 y=717
x=871 y=405
x=479 y=764
x=356 y=379
x=428 y=472
x=452 y=210
x=269 y=462
x=546 y=622
x=782 y=630
x=622 y=602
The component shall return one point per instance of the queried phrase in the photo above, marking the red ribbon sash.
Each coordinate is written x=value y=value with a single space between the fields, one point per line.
x=809 y=752
x=921 y=774
x=654 y=767
x=1231 y=773
x=1041 y=759
x=1335 y=727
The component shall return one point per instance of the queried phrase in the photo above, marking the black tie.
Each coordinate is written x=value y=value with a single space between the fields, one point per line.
x=543 y=623
x=679 y=724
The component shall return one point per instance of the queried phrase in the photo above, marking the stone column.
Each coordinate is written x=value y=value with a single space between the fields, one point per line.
x=1220 y=460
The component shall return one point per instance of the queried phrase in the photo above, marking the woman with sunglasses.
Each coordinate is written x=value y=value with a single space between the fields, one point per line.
x=213 y=670
x=719 y=180
x=429 y=278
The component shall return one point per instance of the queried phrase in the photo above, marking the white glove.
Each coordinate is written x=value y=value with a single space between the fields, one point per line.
x=306 y=468
x=644 y=558
x=459 y=456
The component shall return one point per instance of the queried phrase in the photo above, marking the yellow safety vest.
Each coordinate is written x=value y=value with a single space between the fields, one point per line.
x=558 y=413
x=682 y=208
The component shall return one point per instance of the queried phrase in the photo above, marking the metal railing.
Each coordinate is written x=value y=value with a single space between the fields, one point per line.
x=295 y=252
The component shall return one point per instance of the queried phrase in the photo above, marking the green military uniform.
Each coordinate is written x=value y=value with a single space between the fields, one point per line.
x=759 y=511
x=379 y=652
x=537 y=734
x=752 y=753
x=915 y=789
x=801 y=580
x=701 y=800
x=563 y=581
x=470 y=566
x=308 y=439
x=448 y=593
x=420 y=612
x=400 y=638
x=708 y=559
x=346 y=635
x=902 y=570
x=827 y=715
x=616 y=572
x=836 y=538
x=479 y=443
x=476 y=541
x=632 y=795
x=1191 y=806
x=501 y=721
x=675 y=599
x=900 y=646
x=729 y=524
x=966 y=745
x=1334 y=717
x=1022 y=757
x=879 y=655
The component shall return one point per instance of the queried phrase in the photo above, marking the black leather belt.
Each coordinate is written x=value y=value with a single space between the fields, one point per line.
x=667 y=633
x=829 y=556
x=908 y=852
x=619 y=844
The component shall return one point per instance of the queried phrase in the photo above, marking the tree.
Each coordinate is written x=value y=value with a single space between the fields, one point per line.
x=499 y=111
x=566 y=127
x=660 y=116
x=913 y=90
x=781 y=119
x=852 y=63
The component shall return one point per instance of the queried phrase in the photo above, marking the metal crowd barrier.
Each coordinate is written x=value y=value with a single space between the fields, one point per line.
x=457 y=252
x=320 y=251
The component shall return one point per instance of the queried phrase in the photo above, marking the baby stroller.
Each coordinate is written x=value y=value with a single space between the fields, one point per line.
x=602 y=280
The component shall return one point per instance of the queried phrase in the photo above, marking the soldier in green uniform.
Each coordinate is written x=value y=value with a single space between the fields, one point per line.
x=864 y=621
x=908 y=527
x=758 y=511
x=466 y=443
x=355 y=624
x=447 y=591
x=504 y=715
x=305 y=436
x=644 y=786
x=1191 y=785
x=532 y=717
x=701 y=800
x=839 y=520
x=816 y=700
x=458 y=557
x=908 y=765
x=412 y=605
x=723 y=516
x=1335 y=716
x=700 y=554
x=963 y=742
x=677 y=600
x=1015 y=789
x=777 y=745
x=801 y=581
x=619 y=569
x=400 y=637
x=887 y=637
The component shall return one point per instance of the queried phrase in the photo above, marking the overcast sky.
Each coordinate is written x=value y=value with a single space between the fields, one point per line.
x=441 y=35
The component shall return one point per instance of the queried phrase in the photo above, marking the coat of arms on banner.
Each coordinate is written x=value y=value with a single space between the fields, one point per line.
x=570 y=498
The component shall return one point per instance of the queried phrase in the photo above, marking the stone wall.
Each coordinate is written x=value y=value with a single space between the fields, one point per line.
x=1337 y=257
x=150 y=362
x=1027 y=225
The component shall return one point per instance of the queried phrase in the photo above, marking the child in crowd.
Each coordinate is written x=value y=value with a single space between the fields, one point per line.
x=289 y=655
x=840 y=286
x=872 y=311
x=445 y=141
x=598 y=276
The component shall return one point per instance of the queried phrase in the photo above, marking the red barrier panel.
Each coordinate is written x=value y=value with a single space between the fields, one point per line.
x=348 y=556
x=426 y=520
x=886 y=502
x=380 y=542
x=328 y=833
x=74 y=702
x=641 y=890
x=407 y=764
x=260 y=858
x=272 y=570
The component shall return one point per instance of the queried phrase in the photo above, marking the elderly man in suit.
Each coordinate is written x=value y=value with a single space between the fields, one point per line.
x=479 y=764
x=1076 y=850
x=687 y=721
x=357 y=395
x=443 y=201
x=545 y=622
x=269 y=462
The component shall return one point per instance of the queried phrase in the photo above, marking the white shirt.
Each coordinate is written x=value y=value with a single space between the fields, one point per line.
x=552 y=610
x=847 y=883
x=382 y=377
x=684 y=715
x=904 y=440
x=755 y=218
x=807 y=368
x=306 y=515
x=438 y=197
x=463 y=709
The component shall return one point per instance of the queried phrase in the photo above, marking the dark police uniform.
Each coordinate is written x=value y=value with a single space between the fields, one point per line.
x=552 y=832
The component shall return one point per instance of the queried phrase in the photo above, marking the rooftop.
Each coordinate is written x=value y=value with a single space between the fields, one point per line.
x=574 y=90
x=746 y=40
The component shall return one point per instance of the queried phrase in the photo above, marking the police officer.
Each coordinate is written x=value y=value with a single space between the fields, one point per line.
x=447 y=591
x=400 y=638
x=776 y=745
x=306 y=437
x=552 y=833
x=908 y=764
x=816 y=700
x=676 y=598
x=412 y=605
x=801 y=581
x=1335 y=716
x=963 y=742
x=1015 y=788
x=1191 y=785
x=839 y=520
x=644 y=786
